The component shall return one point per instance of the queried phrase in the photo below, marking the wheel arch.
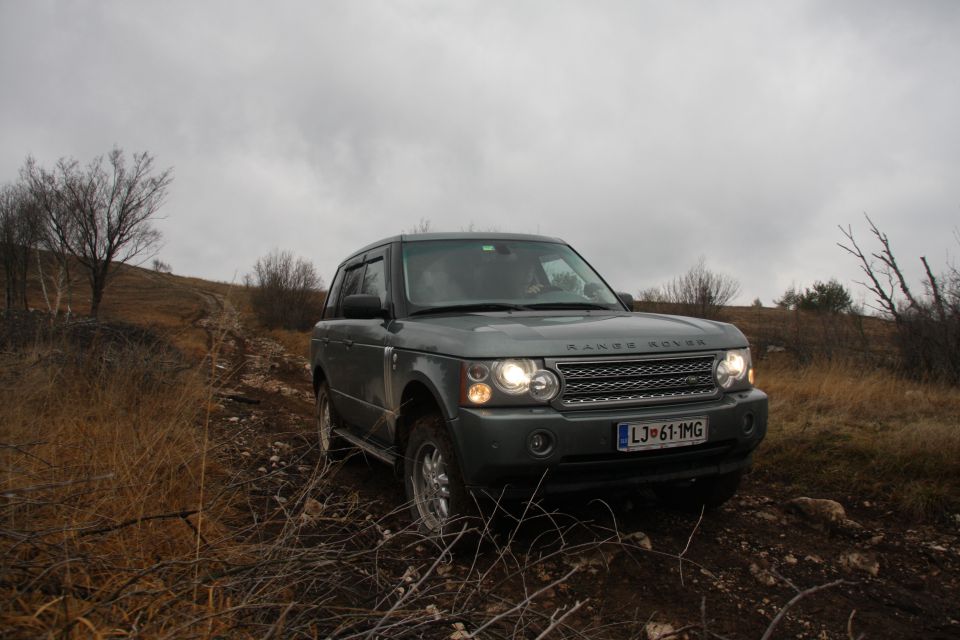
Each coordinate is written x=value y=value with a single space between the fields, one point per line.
x=417 y=399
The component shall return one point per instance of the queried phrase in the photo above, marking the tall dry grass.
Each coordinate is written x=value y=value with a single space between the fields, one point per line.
x=100 y=461
x=863 y=431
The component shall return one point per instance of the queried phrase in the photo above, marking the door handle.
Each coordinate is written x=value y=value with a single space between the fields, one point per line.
x=348 y=343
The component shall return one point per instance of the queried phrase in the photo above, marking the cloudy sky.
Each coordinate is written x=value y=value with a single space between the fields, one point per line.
x=645 y=134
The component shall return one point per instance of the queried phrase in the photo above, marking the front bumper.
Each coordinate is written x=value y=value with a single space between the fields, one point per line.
x=494 y=457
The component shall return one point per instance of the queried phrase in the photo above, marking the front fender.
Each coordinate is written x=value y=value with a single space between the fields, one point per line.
x=439 y=374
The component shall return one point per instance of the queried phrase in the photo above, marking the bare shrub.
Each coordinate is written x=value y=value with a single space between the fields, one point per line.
x=928 y=323
x=286 y=292
x=699 y=292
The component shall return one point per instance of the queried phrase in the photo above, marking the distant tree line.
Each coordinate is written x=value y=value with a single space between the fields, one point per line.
x=87 y=217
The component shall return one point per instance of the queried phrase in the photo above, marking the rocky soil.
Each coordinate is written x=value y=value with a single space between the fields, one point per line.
x=852 y=568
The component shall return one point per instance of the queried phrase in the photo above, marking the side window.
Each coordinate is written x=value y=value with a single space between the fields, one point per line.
x=374 y=280
x=333 y=296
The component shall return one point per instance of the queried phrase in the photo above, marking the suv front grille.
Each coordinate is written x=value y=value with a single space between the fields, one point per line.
x=638 y=380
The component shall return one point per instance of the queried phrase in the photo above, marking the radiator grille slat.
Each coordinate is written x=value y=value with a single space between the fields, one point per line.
x=640 y=381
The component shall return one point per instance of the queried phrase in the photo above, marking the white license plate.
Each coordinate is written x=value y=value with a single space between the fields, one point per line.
x=661 y=434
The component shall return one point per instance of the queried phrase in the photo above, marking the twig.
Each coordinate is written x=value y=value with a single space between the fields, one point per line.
x=797 y=598
x=133 y=521
x=11 y=493
x=689 y=541
x=556 y=623
x=524 y=602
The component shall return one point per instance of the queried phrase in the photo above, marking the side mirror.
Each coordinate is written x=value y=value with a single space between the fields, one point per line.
x=626 y=299
x=363 y=306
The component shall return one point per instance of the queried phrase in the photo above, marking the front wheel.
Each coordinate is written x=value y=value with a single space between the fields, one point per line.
x=438 y=499
x=703 y=493
x=329 y=444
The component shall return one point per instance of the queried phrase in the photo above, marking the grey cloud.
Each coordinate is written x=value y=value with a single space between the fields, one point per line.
x=646 y=134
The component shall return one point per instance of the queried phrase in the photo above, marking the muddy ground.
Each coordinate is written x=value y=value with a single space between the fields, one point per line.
x=730 y=572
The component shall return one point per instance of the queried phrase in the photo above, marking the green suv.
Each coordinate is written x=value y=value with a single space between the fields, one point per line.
x=503 y=365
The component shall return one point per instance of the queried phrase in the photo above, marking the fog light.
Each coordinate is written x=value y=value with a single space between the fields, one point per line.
x=747 y=424
x=540 y=443
x=479 y=393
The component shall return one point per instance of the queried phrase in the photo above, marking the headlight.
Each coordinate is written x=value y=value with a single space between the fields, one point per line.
x=544 y=385
x=513 y=381
x=734 y=368
x=513 y=376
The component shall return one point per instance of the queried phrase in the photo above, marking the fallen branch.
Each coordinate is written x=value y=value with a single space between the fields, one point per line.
x=793 y=601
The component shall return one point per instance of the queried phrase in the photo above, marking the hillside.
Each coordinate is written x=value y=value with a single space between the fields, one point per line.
x=148 y=497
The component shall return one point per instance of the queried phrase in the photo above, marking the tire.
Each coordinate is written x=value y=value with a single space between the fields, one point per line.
x=329 y=445
x=703 y=493
x=439 y=502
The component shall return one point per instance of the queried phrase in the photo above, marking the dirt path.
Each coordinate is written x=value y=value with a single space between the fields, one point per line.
x=731 y=572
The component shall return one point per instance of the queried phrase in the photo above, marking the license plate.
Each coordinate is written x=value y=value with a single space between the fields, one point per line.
x=661 y=434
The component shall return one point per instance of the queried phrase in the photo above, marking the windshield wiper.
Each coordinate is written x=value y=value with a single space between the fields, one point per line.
x=476 y=306
x=569 y=305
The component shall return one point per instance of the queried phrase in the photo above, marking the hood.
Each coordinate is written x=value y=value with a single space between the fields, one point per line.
x=561 y=334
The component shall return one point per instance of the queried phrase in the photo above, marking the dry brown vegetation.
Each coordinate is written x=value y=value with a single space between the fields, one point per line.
x=121 y=514
x=863 y=431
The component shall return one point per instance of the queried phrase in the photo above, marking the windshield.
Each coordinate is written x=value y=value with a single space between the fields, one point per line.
x=493 y=274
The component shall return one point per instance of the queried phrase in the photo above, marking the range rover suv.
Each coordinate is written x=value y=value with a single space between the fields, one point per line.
x=503 y=365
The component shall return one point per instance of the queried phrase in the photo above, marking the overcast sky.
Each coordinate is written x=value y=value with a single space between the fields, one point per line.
x=645 y=134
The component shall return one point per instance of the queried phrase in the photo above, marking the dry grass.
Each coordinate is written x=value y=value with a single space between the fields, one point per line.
x=295 y=342
x=864 y=432
x=101 y=463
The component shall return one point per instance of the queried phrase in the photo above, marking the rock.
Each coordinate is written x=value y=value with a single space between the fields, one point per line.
x=274 y=458
x=312 y=508
x=460 y=632
x=234 y=419
x=860 y=561
x=657 y=630
x=762 y=576
x=764 y=514
x=638 y=538
x=825 y=515
x=790 y=559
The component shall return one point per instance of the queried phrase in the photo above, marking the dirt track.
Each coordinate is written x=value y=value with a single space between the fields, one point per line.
x=732 y=572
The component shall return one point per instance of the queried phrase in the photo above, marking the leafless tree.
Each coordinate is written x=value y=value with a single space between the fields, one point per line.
x=700 y=291
x=100 y=214
x=928 y=323
x=20 y=229
x=424 y=226
x=286 y=291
